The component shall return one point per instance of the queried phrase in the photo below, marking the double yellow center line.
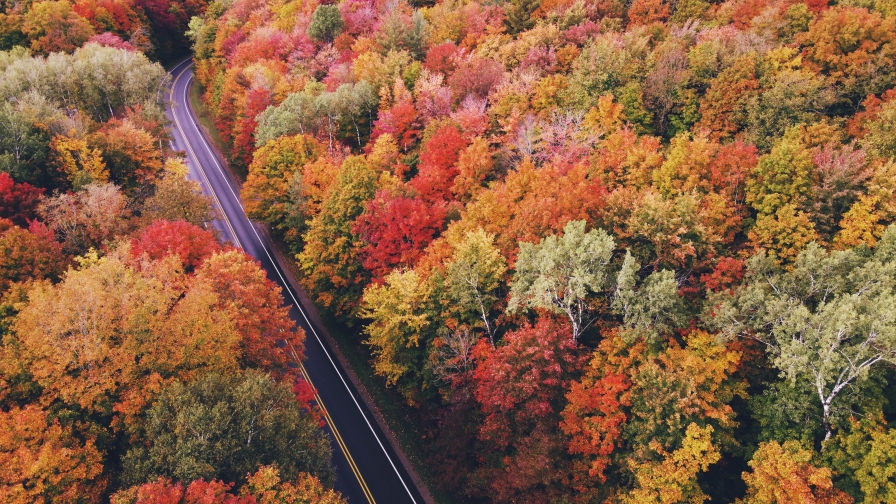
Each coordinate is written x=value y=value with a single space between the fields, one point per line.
x=338 y=437
x=305 y=376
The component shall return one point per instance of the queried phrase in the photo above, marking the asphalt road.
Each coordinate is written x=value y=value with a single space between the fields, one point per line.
x=367 y=469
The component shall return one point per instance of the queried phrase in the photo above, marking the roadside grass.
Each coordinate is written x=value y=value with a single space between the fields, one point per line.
x=388 y=401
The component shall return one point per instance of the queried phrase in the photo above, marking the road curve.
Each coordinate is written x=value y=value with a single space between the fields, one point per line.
x=367 y=469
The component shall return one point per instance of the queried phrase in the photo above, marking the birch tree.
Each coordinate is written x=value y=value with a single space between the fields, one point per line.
x=475 y=275
x=560 y=274
x=828 y=323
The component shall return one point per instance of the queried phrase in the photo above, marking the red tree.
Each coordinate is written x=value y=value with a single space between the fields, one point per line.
x=726 y=275
x=269 y=339
x=475 y=76
x=190 y=243
x=400 y=121
x=440 y=58
x=729 y=169
x=645 y=12
x=396 y=230
x=18 y=202
x=257 y=100
x=605 y=389
x=163 y=491
x=109 y=39
x=28 y=254
x=437 y=169
x=520 y=386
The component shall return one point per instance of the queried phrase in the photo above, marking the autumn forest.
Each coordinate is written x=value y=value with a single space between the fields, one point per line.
x=608 y=251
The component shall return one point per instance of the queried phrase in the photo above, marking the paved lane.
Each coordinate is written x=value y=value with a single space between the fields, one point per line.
x=367 y=468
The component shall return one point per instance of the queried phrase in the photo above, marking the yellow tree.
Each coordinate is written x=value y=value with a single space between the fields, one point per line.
x=398 y=320
x=783 y=176
x=177 y=198
x=865 y=460
x=633 y=409
x=332 y=270
x=80 y=164
x=786 y=232
x=860 y=225
x=266 y=486
x=87 y=218
x=674 y=479
x=275 y=167
x=131 y=155
x=42 y=461
x=55 y=27
x=110 y=334
x=474 y=275
x=784 y=473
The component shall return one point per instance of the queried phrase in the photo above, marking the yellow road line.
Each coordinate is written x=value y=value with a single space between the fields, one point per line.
x=339 y=440
x=317 y=398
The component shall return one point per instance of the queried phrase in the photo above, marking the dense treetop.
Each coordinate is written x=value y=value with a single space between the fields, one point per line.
x=123 y=318
x=608 y=251
x=152 y=27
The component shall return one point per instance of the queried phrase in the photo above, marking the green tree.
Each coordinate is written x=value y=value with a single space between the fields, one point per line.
x=397 y=35
x=326 y=23
x=356 y=106
x=333 y=273
x=202 y=33
x=595 y=72
x=783 y=176
x=562 y=274
x=793 y=97
x=23 y=147
x=865 y=460
x=101 y=82
x=519 y=15
x=828 y=323
x=651 y=309
x=293 y=116
x=787 y=411
x=323 y=108
x=226 y=428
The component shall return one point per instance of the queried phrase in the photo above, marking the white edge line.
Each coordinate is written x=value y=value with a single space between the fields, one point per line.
x=234 y=239
x=288 y=289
